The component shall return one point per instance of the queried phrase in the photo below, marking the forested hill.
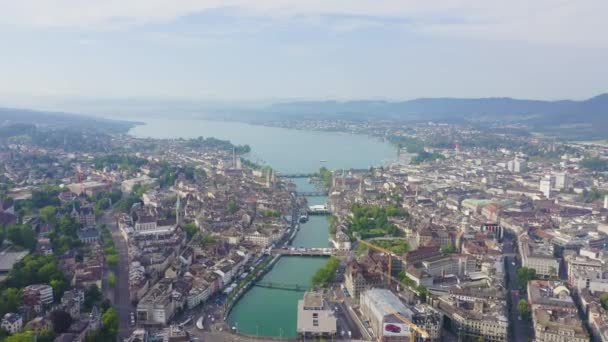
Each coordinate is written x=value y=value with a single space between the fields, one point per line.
x=565 y=117
x=12 y=116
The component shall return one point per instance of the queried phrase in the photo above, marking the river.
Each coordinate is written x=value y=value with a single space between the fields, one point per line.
x=273 y=312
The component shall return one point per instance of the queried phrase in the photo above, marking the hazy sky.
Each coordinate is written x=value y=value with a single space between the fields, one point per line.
x=270 y=49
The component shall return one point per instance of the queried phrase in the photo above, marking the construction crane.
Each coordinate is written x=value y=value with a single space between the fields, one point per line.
x=387 y=252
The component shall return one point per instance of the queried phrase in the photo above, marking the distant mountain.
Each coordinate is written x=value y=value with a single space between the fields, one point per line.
x=12 y=116
x=571 y=117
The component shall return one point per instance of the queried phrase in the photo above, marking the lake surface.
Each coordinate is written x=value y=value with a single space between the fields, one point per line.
x=286 y=150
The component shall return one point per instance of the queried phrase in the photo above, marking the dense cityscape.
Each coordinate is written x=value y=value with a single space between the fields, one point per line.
x=468 y=235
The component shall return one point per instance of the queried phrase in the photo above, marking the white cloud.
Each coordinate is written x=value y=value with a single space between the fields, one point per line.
x=539 y=21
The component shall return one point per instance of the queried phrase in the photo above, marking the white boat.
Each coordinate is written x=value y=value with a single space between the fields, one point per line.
x=199 y=323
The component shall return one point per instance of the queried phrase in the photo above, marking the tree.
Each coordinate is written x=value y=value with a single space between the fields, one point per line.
x=449 y=249
x=112 y=279
x=190 y=229
x=112 y=259
x=22 y=235
x=232 y=207
x=109 y=320
x=47 y=213
x=92 y=295
x=604 y=300
x=326 y=274
x=61 y=321
x=524 y=275
x=523 y=308
x=422 y=292
x=26 y=336
x=10 y=300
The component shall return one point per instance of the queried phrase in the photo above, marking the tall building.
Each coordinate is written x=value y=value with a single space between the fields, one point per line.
x=517 y=165
x=546 y=184
x=562 y=181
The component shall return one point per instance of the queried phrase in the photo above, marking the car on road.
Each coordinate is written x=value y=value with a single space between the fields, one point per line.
x=132 y=318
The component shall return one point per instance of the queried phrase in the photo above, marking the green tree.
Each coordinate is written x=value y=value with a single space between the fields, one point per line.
x=112 y=279
x=26 y=336
x=449 y=249
x=422 y=292
x=191 y=229
x=326 y=274
x=524 y=275
x=604 y=300
x=523 y=308
x=47 y=213
x=109 y=319
x=232 y=207
x=10 y=300
x=595 y=164
x=22 y=235
x=112 y=259
x=92 y=295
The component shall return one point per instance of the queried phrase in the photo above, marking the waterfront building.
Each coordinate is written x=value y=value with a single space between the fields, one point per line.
x=157 y=307
x=315 y=317
x=358 y=277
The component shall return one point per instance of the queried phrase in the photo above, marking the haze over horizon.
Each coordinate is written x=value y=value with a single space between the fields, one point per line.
x=253 y=51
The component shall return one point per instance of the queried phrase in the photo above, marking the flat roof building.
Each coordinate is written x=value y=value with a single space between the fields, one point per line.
x=315 y=317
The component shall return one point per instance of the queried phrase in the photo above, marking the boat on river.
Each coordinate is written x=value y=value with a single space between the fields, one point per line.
x=199 y=323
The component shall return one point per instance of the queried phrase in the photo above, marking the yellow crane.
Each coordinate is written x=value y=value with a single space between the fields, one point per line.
x=385 y=251
x=414 y=329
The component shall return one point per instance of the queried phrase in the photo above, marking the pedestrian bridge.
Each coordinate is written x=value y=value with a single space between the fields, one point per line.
x=311 y=193
x=282 y=286
x=298 y=175
x=305 y=251
x=320 y=209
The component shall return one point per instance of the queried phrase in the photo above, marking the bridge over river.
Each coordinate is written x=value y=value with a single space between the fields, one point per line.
x=282 y=286
x=305 y=251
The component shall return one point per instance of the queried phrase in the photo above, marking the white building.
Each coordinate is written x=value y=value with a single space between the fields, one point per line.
x=546 y=185
x=537 y=256
x=562 y=181
x=12 y=322
x=380 y=307
x=315 y=317
x=517 y=165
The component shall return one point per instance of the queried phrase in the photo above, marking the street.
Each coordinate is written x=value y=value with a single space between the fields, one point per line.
x=122 y=301
x=521 y=329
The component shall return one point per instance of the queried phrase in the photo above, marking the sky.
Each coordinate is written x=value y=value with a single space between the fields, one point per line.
x=228 y=50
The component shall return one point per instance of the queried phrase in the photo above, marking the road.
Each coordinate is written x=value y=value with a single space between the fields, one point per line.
x=122 y=301
x=521 y=329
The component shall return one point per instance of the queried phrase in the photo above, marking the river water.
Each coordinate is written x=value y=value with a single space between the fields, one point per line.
x=273 y=312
